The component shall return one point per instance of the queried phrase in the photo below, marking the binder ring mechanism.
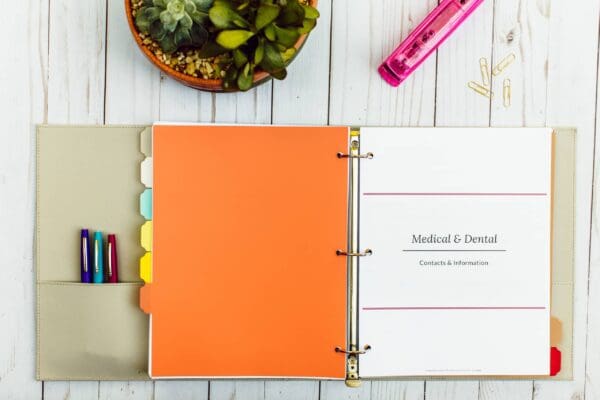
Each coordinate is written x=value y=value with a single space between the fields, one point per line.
x=366 y=253
x=366 y=348
x=367 y=156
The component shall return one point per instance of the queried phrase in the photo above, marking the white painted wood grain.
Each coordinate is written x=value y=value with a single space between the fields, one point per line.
x=23 y=103
x=237 y=390
x=292 y=390
x=364 y=34
x=458 y=63
x=181 y=390
x=337 y=390
x=443 y=390
x=521 y=28
x=132 y=82
x=69 y=390
x=390 y=390
x=501 y=390
x=77 y=61
x=126 y=391
x=180 y=104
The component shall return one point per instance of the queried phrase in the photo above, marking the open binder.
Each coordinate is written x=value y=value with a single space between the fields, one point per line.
x=205 y=316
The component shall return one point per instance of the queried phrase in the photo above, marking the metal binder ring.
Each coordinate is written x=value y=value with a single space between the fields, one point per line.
x=367 y=252
x=368 y=156
x=366 y=348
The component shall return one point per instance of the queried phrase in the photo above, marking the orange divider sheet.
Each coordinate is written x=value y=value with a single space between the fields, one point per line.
x=246 y=281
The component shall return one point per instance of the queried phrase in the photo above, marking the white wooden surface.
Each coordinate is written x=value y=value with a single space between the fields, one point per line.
x=68 y=61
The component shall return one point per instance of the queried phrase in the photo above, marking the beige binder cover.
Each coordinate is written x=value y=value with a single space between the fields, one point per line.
x=90 y=177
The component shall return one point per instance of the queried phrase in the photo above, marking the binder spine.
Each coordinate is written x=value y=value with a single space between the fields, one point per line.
x=353 y=254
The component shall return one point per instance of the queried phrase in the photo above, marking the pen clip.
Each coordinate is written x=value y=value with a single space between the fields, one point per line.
x=109 y=261
x=84 y=253
x=96 y=261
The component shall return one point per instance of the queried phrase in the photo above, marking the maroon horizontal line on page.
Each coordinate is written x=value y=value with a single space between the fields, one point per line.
x=454 y=194
x=449 y=308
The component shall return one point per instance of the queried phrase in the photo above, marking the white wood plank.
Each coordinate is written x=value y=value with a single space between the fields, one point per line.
x=405 y=390
x=501 y=390
x=292 y=390
x=445 y=390
x=23 y=103
x=458 y=63
x=182 y=104
x=521 y=28
x=69 y=390
x=126 y=390
x=572 y=74
x=132 y=82
x=337 y=390
x=237 y=390
x=181 y=390
x=252 y=107
x=364 y=34
x=77 y=61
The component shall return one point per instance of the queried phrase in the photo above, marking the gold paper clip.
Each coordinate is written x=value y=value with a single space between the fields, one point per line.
x=368 y=156
x=367 y=252
x=505 y=63
x=481 y=90
x=485 y=71
x=353 y=352
x=507 y=93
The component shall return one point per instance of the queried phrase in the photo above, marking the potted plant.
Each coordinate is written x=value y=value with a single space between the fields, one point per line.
x=221 y=45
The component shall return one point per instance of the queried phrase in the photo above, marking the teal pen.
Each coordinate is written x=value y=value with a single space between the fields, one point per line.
x=98 y=259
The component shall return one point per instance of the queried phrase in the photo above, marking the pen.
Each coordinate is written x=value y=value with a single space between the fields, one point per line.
x=112 y=262
x=98 y=273
x=425 y=39
x=86 y=257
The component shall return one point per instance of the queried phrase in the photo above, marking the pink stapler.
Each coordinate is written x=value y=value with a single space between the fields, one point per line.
x=426 y=38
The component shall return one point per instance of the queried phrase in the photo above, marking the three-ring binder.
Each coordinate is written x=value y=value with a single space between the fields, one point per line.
x=352 y=351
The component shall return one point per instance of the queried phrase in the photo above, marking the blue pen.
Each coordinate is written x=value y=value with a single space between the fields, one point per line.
x=86 y=257
x=98 y=274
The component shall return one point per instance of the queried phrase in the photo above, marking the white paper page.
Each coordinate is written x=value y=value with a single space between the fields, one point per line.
x=432 y=300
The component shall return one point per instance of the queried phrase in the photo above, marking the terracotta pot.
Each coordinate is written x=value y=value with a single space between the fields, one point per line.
x=211 y=85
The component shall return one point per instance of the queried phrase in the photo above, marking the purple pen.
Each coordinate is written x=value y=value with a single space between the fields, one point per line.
x=86 y=257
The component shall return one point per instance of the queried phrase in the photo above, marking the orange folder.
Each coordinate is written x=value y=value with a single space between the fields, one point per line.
x=245 y=277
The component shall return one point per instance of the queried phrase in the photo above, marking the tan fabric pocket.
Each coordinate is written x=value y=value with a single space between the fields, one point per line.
x=91 y=332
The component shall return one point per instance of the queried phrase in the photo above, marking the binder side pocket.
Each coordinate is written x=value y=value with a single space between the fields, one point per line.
x=91 y=332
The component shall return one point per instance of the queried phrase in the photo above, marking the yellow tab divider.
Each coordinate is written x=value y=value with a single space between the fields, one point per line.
x=146 y=267
x=146 y=236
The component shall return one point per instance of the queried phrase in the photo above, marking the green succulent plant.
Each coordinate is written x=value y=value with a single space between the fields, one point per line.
x=174 y=23
x=259 y=34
